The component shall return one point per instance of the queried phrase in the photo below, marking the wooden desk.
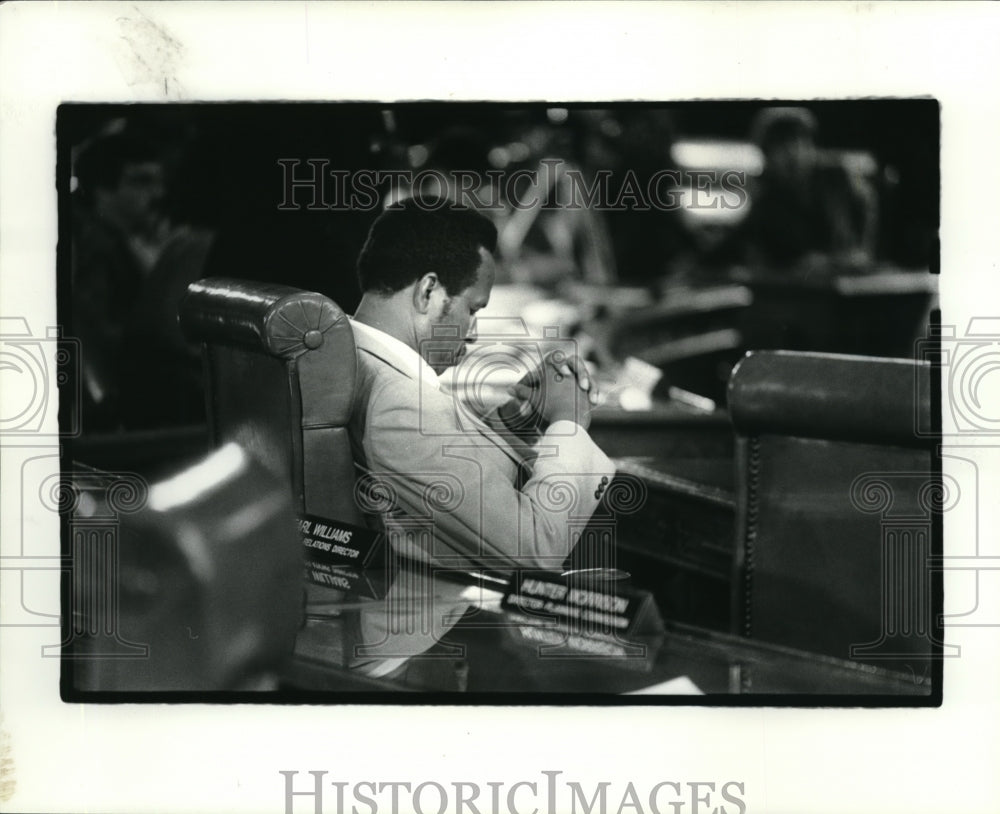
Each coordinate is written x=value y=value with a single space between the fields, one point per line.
x=486 y=658
x=668 y=431
x=682 y=539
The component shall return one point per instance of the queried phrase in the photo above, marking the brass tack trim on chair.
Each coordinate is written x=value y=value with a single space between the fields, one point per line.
x=750 y=542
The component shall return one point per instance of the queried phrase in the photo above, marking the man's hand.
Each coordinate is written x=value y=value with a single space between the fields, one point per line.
x=559 y=389
x=565 y=365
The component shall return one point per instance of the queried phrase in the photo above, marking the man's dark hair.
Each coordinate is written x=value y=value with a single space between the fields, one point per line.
x=778 y=125
x=421 y=235
x=101 y=162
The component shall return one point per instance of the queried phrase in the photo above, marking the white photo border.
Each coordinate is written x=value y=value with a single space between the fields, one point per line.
x=76 y=757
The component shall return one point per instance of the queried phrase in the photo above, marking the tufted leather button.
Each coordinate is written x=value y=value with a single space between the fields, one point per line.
x=312 y=339
x=598 y=493
x=604 y=481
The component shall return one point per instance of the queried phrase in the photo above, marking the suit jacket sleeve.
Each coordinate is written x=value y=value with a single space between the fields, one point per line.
x=457 y=492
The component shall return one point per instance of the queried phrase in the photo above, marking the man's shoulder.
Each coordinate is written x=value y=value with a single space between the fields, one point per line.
x=376 y=373
x=376 y=379
x=385 y=388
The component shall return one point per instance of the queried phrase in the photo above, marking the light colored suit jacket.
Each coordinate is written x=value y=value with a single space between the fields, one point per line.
x=451 y=491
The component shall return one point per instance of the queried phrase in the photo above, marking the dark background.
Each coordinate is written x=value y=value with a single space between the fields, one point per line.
x=223 y=171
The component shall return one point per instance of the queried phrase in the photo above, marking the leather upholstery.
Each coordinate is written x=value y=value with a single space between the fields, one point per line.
x=836 y=505
x=281 y=369
x=825 y=395
x=205 y=576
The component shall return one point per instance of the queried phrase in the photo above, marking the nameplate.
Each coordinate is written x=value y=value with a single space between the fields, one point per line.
x=588 y=618
x=338 y=543
x=552 y=643
x=370 y=582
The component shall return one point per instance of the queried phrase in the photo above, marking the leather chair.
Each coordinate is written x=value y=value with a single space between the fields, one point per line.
x=836 y=506
x=280 y=367
x=191 y=584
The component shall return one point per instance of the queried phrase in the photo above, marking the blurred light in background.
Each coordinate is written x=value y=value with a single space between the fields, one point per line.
x=714 y=154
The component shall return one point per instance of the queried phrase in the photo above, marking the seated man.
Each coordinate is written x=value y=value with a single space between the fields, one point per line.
x=449 y=488
x=808 y=211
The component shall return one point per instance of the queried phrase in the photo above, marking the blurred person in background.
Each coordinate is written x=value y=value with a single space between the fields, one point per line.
x=130 y=267
x=548 y=239
x=808 y=212
x=634 y=146
x=119 y=229
x=521 y=185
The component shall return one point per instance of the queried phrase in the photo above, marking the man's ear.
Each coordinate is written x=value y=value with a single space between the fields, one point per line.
x=422 y=291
